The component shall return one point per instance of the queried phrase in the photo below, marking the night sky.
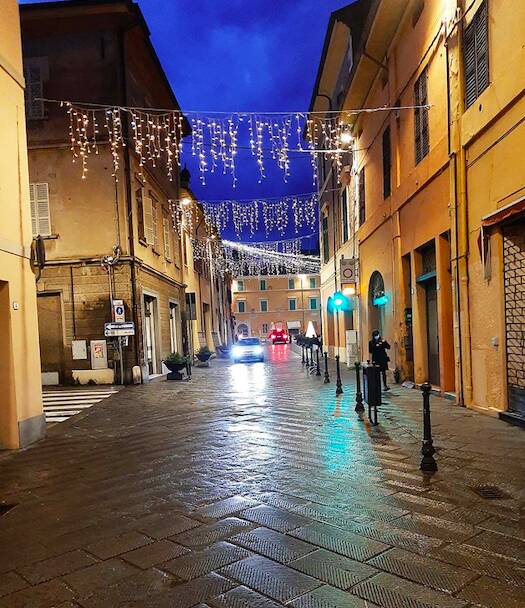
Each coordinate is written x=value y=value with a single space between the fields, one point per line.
x=228 y=55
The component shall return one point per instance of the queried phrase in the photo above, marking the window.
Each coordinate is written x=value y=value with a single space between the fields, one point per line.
x=265 y=328
x=34 y=90
x=241 y=306
x=291 y=283
x=476 y=55
x=240 y=285
x=139 y=193
x=292 y=303
x=262 y=284
x=150 y=221
x=344 y=215
x=313 y=284
x=167 y=237
x=387 y=163
x=263 y=305
x=421 y=117
x=326 y=244
x=312 y=303
x=39 y=199
x=362 y=197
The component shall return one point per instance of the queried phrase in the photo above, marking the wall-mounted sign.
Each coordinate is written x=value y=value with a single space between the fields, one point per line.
x=99 y=354
x=119 y=314
x=349 y=269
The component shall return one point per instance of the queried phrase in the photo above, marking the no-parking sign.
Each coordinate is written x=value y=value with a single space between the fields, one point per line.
x=349 y=270
x=119 y=315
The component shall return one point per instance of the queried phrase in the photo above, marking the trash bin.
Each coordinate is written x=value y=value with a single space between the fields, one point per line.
x=372 y=389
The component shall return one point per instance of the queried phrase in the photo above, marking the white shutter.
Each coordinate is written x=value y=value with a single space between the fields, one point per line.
x=167 y=238
x=34 y=217
x=148 y=219
x=39 y=199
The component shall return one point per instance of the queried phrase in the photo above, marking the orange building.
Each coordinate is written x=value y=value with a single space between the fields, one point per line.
x=434 y=189
x=261 y=303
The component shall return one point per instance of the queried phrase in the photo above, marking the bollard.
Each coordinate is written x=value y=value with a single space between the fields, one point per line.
x=372 y=390
x=339 y=386
x=326 y=374
x=317 y=366
x=427 y=448
x=307 y=360
x=359 y=407
x=188 y=369
x=302 y=349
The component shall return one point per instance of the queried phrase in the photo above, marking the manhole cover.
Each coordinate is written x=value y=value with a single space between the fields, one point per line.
x=491 y=492
x=4 y=508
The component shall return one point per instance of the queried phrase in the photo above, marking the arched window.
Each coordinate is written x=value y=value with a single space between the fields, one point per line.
x=376 y=301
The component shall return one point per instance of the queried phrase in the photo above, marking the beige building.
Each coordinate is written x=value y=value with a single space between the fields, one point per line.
x=261 y=303
x=106 y=240
x=21 y=417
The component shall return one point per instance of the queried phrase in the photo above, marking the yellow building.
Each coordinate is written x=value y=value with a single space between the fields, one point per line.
x=208 y=293
x=422 y=181
x=21 y=417
x=262 y=303
x=106 y=240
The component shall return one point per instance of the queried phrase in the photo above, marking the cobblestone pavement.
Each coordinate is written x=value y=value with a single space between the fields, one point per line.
x=253 y=487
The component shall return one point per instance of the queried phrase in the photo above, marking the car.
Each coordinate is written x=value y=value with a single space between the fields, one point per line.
x=279 y=336
x=247 y=349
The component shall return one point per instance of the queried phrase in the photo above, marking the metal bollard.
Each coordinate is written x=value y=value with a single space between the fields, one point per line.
x=359 y=407
x=326 y=374
x=317 y=366
x=427 y=448
x=339 y=386
x=372 y=390
x=302 y=350
x=307 y=359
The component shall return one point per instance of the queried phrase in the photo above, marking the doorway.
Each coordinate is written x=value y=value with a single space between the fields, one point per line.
x=514 y=266
x=174 y=327
x=431 y=306
x=150 y=334
x=50 y=331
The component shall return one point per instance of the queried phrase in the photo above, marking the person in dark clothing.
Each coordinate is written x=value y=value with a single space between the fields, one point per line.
x=377 y=348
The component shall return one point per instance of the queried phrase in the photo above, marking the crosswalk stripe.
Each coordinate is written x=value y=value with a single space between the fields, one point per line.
x=61 y=405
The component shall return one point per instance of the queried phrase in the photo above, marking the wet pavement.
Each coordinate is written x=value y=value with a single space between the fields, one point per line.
x=252 y=486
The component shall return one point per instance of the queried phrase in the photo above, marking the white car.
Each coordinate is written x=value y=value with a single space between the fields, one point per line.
x=248 y=349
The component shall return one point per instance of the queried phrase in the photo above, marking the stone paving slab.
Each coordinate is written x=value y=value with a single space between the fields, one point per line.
x=254 y=487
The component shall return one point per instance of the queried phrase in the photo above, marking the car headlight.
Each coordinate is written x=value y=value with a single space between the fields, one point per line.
x=236 y=351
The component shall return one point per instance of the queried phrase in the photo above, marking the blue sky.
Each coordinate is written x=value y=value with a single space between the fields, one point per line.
x=228 y=55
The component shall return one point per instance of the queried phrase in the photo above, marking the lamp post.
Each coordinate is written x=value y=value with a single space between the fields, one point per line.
x=339 y=302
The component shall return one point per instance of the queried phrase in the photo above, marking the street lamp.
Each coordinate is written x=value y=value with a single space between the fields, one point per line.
x=302 y=279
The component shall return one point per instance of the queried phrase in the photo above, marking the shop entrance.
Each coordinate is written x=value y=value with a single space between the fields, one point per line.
x=150 y=331
x=432 y=331
x=514 y=275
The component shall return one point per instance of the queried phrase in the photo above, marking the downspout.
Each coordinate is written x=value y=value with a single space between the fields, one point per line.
x=129 y=202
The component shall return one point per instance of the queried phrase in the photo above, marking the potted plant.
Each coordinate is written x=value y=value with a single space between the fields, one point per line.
x=176 y=362
x=203 y=354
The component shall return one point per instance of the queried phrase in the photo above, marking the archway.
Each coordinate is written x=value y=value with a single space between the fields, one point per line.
x=376 y=302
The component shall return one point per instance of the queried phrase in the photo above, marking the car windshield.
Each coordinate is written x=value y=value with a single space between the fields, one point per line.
x=250 y=342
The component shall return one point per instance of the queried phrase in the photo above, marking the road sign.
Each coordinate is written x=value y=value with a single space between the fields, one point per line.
x=349 y=270
x=119 y=315
x=126 y=328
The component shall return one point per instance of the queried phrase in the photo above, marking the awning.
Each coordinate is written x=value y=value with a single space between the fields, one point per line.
x=504 y=214
x=293 y=324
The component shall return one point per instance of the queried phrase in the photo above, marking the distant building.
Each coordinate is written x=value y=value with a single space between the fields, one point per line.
x=99 y=52
x=432 y=196
x=21 y=417
x=261 y=303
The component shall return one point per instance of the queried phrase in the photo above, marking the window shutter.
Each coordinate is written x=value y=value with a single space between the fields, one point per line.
x=387 y=163
x=33 y=91
x=421 y=129
x=476 y=55
x=39 y=200
x=148 y=219
x=167 y=238
x=34 y=216
x=470 y=65
x=154 y=226
x=362 y=196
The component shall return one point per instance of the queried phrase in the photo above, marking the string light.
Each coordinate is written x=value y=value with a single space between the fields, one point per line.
x=157 y=136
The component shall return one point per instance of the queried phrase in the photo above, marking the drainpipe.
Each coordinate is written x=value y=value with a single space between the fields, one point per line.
x=128 y=194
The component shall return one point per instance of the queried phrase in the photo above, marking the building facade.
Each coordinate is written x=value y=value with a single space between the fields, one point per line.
x=105 y=239
x=262 y=303
x=435 y=187
x=21 y=416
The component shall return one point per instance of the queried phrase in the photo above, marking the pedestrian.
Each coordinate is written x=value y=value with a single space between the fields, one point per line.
x=377 y=348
